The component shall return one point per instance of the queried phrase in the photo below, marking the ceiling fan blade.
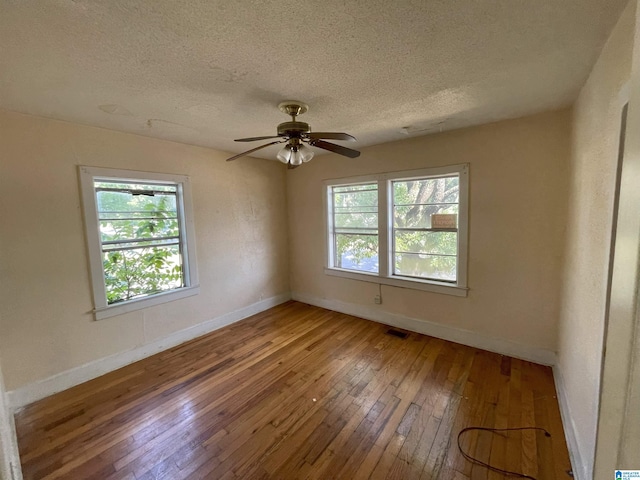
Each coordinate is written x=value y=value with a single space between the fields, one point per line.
x=255 y=139
x=332 y=136
x=332 y=147
x=254 y=149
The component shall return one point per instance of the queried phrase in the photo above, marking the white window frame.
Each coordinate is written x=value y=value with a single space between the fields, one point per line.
x=385 y=274
x=88 y=175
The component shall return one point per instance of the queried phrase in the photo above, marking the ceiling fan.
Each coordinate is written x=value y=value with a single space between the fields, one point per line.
x=295 y=134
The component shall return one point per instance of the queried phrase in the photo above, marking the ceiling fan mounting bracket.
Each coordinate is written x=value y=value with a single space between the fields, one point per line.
x=293 y=107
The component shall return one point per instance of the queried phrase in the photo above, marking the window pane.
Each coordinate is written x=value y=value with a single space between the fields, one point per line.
x=356 y=252
x=356 y=219
x=356 y=206
x=419 y=216
x=416 y=200
x=125 y=215
x=362 y=187
x=443 y=243
x=426 y=191
x=433 y=267
x=140 y=272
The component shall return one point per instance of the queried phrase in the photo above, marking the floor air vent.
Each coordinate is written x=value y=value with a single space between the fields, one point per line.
x=397 y=333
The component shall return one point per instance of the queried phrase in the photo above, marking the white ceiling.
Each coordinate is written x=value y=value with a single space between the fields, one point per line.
x=205 y=72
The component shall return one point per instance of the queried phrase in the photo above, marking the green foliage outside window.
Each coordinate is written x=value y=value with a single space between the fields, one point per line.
x=140 y=239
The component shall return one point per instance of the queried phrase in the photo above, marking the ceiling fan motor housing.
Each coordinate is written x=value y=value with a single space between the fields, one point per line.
x=293 y=129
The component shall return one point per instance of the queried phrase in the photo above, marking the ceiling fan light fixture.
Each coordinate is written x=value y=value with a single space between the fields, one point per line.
x=284 y=155
x=295 y=154
x=296 y=157
x=305 y=153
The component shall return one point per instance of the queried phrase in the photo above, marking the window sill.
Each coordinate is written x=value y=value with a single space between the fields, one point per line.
x=133 y=305
x=428 y=286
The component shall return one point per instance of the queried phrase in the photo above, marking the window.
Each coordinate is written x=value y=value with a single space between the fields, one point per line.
x=140 y=238
x=407 y=229
x=355 y=223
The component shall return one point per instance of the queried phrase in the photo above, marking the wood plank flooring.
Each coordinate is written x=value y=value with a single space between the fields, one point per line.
x=300 y=392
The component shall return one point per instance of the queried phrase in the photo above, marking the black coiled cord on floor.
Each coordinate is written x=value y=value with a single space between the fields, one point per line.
x=491 y=467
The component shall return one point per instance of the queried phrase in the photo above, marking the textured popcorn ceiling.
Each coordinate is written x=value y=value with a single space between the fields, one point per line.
x=205 y=72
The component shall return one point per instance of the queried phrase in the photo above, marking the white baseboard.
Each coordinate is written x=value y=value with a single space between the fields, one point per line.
x=580 y=471
x=465 y=337
x=35 y=391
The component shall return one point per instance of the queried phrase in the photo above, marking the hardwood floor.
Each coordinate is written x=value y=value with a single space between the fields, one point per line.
x=300 y=392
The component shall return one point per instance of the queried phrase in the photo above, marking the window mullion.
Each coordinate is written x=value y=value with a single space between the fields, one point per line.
x=332 y=247
x=463 y=226
x=184 y=252
x=384 y=241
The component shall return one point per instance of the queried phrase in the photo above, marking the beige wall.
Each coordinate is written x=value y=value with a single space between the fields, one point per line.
x=596 y=130
x=618 y=440
x=518 y=180
x=45 y=299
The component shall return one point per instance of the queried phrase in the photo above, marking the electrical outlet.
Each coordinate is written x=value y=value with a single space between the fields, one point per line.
x=377 y=299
